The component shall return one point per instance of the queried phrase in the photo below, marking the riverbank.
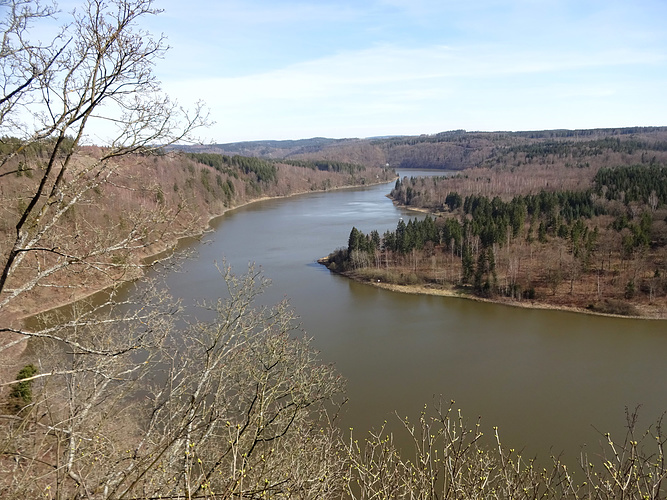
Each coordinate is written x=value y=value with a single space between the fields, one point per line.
x=45 y=302
x=569 y=250
x=449 y=290
x=16 y=356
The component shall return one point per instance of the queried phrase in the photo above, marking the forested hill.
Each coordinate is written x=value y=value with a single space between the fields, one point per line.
x=568 y=220
x=270 y=149
x=154 y=199
x=459 y=149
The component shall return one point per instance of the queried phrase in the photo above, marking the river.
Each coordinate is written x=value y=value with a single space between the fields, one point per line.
x=545 y=378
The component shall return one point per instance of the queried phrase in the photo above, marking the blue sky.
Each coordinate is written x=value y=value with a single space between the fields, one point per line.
x=284 y=69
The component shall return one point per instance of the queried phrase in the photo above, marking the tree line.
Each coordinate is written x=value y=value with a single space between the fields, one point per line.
x=131 y=398
x=646 y=184
x=326 y=165
x=265 y=171
x=583 y=236
x=593 y=147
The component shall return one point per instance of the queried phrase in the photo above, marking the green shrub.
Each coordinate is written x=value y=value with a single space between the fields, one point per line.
x=21 y=393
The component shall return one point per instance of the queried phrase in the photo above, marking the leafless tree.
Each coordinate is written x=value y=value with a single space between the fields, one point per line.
x=124 y=404
x=96 y=72
x=233 y=408
x=451 y=458
x=653 y=201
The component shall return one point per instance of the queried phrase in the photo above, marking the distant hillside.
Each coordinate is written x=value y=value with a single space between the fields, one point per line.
x=561 y=219
x=269 y=149
x=161 y=197
x=459 y=149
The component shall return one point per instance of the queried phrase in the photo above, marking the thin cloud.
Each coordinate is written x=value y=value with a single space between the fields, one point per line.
x=395 y=90
x=387 y=66
x=290 y=69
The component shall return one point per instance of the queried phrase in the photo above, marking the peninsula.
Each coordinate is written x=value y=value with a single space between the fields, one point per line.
x=568 y=221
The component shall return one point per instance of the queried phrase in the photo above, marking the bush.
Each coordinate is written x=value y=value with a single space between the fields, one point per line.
x=21 y=393
x=618 y=307
x=412 y=279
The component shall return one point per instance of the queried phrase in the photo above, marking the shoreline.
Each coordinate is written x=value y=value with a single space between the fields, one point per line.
x=12 y=357
x=451 y=292
x=14 y=317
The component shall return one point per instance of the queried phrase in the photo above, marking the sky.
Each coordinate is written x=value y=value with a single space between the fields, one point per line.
x=289 y=69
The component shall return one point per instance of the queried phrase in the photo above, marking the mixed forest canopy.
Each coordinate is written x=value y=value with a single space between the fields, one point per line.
x=593 y=238
x=265 y=169
x=132 y=398
x=459 y=149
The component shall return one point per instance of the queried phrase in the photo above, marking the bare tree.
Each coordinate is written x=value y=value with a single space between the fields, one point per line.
x=453 y=459
x=97 y=72
x=125 y=404
x=450 y=461
x=236 y=407
x=24 y=63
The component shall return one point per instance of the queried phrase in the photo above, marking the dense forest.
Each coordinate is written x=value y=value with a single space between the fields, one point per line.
x=459 y=149
x=188 y=189
x=602 y=247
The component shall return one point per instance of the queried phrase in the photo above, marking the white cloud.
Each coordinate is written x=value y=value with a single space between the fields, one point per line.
x=297 y=68
x=564 y=75
x=404 y=71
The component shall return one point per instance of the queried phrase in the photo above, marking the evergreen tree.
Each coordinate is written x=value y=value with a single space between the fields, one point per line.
x=480 y=272
x=452 y=233
x=401 y=229
x=542 y=233
x=453 y=201
x=468 y=264
x=374 y=240
x=389 y=240
x=354 y=241
x=491 y=260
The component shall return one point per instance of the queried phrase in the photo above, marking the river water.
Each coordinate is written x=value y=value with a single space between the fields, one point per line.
x=547 y=379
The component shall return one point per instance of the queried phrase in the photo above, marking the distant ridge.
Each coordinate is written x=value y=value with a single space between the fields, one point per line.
x=268 y=148
x=450 y=150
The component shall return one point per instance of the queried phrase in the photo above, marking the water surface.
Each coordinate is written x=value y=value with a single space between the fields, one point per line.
x=544 y=377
